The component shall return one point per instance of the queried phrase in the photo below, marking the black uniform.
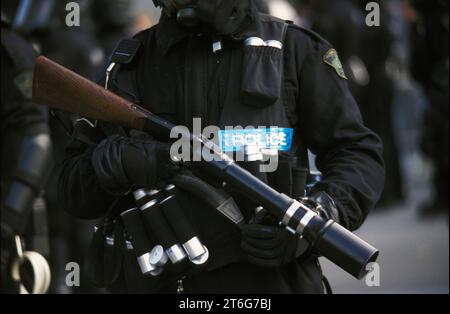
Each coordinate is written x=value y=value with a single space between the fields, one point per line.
x=20 y=120
x=179 y=77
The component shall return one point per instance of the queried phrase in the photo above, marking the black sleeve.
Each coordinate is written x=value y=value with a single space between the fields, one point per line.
x=79 y=190
x=348 y=154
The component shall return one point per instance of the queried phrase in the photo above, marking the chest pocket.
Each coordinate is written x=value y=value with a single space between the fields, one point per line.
x=252 y=100
x=261 y=73
x=262 y=68
x=258 y=100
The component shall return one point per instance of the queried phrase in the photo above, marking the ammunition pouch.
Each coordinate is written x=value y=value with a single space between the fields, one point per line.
x=148 y=243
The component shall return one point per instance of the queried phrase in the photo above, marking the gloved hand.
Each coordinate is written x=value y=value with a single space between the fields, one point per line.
x=122 y=163
x=323 y=204
x=268 y=246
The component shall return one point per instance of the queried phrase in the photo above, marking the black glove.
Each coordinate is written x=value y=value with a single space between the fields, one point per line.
x=270 y=245
x=323 y=204
x=267 y=245
x=122 y=163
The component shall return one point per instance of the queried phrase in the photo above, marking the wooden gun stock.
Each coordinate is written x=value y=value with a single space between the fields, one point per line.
x=60 y=88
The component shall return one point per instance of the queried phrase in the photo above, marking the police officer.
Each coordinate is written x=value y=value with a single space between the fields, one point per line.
x=224 y=62
x=25 y=159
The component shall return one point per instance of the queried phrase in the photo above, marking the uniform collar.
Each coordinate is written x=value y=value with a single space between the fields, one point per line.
x=169 y=33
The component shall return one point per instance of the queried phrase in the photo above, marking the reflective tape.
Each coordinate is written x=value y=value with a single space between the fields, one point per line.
x=259 y=42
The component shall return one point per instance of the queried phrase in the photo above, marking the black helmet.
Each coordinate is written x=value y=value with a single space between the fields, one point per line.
x=221 y=16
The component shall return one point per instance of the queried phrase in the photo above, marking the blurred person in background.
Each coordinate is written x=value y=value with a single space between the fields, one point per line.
x=25 y=161
x=116 y=19
x=377 y=97
x=43 y=23
x=430 y=67
x=83 y=49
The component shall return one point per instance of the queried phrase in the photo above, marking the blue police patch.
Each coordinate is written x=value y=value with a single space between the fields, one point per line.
x=271 y=139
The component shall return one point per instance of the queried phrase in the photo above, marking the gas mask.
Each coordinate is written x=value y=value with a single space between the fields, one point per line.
x=221 y=17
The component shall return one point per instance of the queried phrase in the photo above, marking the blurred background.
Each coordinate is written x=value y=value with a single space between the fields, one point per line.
x=398 y=72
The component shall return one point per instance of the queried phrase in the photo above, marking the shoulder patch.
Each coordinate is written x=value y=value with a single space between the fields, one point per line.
x=24 y=83
x=332 y=59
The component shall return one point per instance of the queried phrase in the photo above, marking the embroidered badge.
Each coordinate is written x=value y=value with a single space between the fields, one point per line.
x=331 y=58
